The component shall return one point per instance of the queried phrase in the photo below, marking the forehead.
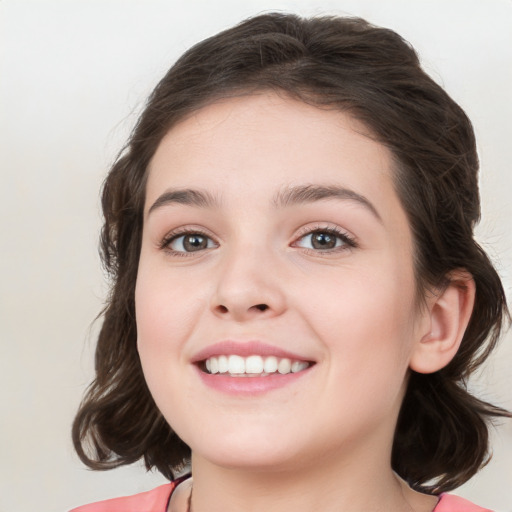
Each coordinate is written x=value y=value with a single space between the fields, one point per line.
x=254 y=145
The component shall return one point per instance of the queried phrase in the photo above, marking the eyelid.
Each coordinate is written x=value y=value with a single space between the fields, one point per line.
x=349 y=241
x=164 y=243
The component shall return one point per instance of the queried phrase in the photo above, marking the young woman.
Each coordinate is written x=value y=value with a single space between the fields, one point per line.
x=298 y=299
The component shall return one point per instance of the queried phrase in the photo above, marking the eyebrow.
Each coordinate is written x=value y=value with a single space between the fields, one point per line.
x=291 y=196
x=288 y=196
x=187 y=196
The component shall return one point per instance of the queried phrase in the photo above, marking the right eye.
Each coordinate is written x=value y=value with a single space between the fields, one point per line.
x=189 y=242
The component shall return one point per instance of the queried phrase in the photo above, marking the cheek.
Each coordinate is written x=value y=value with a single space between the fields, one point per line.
x=158 y=312
x=168 y=308
x=164 y=306
x=161 y=329
x=366 y=319
x=153 y=316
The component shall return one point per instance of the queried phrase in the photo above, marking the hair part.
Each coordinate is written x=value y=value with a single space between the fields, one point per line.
x=345 y=64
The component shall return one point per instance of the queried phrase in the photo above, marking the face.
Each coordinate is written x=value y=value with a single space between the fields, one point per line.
x=275 y=298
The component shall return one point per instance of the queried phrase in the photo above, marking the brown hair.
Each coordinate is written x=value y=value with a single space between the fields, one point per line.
x=441 y=438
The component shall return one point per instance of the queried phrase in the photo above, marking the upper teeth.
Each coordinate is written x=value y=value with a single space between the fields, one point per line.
x=253 y=365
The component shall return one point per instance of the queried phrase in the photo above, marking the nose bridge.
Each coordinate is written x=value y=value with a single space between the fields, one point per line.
x=248 y=282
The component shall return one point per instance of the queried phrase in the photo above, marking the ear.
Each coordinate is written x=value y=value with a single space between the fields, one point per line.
x=444 y=322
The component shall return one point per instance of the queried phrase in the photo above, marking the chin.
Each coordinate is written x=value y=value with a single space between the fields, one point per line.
x=252 y=462
x=252 y=453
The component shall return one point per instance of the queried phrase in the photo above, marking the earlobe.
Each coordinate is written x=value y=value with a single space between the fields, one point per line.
x=448 y=313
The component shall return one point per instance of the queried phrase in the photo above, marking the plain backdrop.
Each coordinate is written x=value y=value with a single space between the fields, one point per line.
x=73 y=76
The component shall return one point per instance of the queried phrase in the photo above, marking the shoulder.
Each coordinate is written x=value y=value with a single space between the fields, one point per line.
x=452 y=503
x=151 y=501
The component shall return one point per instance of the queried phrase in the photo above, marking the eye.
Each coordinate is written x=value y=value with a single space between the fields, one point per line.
x=188 y=242
x=325 y=240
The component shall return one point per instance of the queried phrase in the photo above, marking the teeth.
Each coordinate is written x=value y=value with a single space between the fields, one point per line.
x=253 y=365
x=270 y=364
x=284 y=366
x=223 y=364
x=236 y=364
x=298 y=366
x=214 y=365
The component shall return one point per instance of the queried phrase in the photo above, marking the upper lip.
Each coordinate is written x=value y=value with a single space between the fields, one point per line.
x=245 y=349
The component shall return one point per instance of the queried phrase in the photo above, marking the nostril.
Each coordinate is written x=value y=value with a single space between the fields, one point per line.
x=223 y=310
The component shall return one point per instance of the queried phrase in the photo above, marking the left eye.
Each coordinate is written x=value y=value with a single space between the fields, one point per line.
x=191 y=242
x=322 y=240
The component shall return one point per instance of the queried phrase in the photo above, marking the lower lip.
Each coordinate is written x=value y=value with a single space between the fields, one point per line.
x=250 y=386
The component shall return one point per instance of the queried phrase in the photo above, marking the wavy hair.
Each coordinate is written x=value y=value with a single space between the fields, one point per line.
x=347 y=64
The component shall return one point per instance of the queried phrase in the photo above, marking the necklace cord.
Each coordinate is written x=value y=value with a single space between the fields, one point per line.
x=189 y=500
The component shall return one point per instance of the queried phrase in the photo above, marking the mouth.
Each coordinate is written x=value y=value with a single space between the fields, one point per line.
x=228 y=362
x=234 y=365
x=250 y=368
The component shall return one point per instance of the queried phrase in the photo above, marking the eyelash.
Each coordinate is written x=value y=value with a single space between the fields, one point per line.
x=174 y=235
x=347 y=241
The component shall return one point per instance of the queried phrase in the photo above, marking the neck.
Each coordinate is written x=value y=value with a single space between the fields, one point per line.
x=366 y=485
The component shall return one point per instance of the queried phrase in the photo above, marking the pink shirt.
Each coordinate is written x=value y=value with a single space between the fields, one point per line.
x=158 y=499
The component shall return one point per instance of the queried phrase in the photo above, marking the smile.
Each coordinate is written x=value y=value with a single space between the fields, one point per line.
x=252 y=366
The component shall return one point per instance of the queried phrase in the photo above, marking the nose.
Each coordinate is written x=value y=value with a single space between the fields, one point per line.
x=249 y=286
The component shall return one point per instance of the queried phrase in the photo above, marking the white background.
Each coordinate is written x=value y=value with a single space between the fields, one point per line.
x=73 y=75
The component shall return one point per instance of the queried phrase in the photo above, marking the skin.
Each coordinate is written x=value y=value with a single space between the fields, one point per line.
x=324 y=441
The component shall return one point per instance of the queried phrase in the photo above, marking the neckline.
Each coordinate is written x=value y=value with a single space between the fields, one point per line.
x=175 y=484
